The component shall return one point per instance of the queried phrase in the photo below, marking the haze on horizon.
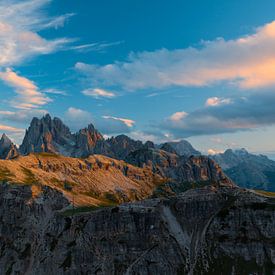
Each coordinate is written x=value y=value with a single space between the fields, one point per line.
x=153 y=70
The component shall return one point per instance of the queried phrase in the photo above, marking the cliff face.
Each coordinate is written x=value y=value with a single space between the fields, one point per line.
x=180 y=172
x=202 y=231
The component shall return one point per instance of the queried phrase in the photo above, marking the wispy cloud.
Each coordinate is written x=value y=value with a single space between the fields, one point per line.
x=21 y=116
x=55 y=92
x=98 y=93
x=247 y=62
x=95 y=47
x=78 y=118
x=128 y=122
x=10 y=129
x=20 y=22
x=28 y=94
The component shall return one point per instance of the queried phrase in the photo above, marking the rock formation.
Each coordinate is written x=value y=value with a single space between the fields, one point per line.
x=47 y=135
x=202 y=231
x=8 y=150
x=184 y=148
x=101 y=180
x=86 y=140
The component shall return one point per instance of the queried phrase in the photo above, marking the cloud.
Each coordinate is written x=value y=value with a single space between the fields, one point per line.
x=22 y=116
x=55 y=92
x=96 y=47
x=247 y=62
x=6 y=128
x=214 y=151
x=77 y=118
x=242 y=114
x=128 y=122
x=178 y=116
x=216 y=101
x=28 y=94
x=20 y=23
x=98 y=93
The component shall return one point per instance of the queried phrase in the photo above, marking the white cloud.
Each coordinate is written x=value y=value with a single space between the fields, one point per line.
x=128 y=122
x=77 y=118
x=248 y=62
x=55 y=92
x=28 y=94
x=216 y=101
x=20 y=22
x=98 y=93
x=97 y=47
x=178 y=116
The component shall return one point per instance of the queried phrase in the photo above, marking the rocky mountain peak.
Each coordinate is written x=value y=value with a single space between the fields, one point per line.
x=86 y=141
x=5 y=141
x=8 y=150
x=168 y=148
x=149 y=144
x=184 y=148
x=246 y=169
x=46 y=135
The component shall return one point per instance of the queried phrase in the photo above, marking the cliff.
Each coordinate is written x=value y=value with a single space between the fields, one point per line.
x=202 y=231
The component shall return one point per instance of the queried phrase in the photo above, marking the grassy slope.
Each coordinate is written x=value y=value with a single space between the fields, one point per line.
x=97 y=180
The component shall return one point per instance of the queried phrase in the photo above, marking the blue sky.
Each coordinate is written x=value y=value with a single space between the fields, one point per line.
x=159 y=70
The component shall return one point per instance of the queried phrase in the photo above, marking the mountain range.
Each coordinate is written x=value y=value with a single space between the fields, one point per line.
x=47 y=135
x=118 y=168
x=248 y=170
x=77 y=203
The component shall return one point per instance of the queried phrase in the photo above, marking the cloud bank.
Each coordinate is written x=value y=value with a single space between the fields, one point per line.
x=241 y=114
x=247 y=62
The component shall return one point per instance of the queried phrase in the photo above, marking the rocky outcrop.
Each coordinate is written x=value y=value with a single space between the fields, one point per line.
x=181 y=173
x=101 y=180
x=118 y=147
x=8 y=150
x=184 y=148
x=86 y=140
x=47 y=135
x=248 y=170
x=202 y=231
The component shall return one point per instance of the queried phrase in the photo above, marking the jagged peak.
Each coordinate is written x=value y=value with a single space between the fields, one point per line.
x=5 y=141
x=5 y=137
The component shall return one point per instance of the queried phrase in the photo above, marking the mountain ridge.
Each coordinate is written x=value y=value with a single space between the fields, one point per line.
x=248 y=170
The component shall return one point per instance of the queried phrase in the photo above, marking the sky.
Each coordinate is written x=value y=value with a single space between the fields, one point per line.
x=154 y=70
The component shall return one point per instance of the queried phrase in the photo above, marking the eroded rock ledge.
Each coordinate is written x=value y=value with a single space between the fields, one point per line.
x=201 y=231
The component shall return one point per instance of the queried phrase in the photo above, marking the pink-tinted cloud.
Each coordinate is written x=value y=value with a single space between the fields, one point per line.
x=28 y=94
x=247 y=62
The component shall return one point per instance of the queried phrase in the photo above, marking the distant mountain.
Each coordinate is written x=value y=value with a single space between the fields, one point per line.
x=8 y=150
x=248 y=170
x=183 y=148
